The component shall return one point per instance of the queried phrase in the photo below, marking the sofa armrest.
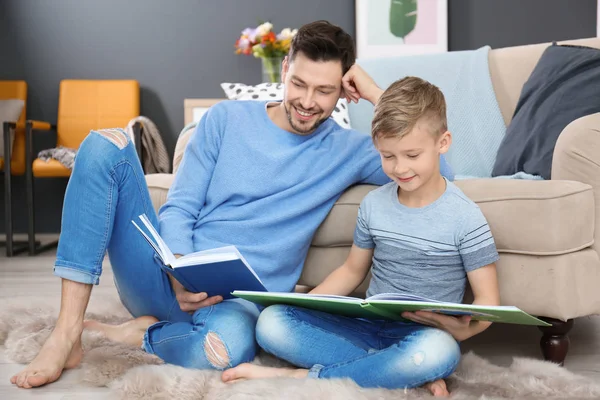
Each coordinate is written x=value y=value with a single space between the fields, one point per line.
x=577 y=158
x=158 y=186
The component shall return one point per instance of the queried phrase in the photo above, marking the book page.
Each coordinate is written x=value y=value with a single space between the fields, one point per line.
x=227 y=252
x=150 y=242
x=333 y=296
x=289 y=295
x=457 y=313
x=401 y=297
x=166 y=253
x=200 y=259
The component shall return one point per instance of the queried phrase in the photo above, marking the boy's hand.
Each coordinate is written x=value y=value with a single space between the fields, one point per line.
x=459 y=327
x=357 y=84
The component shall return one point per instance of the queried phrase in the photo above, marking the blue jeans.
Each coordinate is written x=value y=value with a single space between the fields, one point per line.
x=106 y=191
x=372 y=353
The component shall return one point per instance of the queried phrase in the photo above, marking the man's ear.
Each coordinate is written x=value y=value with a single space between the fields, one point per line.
x=285 y=66
x=445 y=141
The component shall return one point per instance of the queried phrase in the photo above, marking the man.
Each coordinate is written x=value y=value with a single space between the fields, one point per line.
x=261 y=176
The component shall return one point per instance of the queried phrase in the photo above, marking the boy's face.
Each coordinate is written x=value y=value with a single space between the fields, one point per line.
x=311 y=91
x=414 y=159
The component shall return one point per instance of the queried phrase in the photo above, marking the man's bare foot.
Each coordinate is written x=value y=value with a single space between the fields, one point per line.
x=58 y=353
x=437 y=388
x=131 y=332
x=252 y=371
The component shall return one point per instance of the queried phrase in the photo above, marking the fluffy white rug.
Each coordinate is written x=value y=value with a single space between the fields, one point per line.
x=133 y=374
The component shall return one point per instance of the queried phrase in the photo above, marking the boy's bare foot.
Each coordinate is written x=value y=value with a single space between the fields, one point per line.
x=131 y=332
x=438 y=388
x=58 y=353
x=252 y=371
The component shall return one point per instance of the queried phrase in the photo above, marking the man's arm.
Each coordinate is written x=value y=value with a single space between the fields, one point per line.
x=347 y=277
x=187 y=195
x=186 y=198
x=357 y=84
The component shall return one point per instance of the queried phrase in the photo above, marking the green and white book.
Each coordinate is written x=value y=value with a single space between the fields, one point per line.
x=389 y=306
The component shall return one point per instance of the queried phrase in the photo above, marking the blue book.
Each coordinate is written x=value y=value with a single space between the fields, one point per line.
x=218 y=272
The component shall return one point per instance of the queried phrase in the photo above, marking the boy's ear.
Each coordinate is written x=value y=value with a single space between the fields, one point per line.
x=445 y=141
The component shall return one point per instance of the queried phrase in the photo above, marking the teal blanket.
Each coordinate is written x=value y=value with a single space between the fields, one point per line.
x=474 y=117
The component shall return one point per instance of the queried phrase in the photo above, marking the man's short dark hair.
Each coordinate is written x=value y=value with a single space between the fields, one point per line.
x=323 y=41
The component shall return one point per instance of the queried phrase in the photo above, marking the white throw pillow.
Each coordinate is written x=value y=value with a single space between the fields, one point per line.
x=274 y=91
x=10 y=111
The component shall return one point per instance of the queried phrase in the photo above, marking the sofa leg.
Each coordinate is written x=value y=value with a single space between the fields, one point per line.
x=555 y=340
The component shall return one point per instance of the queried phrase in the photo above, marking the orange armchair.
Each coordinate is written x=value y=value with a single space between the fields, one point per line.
x=13 y=90
x=83 y=105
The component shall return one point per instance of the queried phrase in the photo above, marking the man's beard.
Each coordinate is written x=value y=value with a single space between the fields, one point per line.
x=300 y=128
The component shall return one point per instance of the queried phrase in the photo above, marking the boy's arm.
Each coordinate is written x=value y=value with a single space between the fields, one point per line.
x=479 y=254
x=347 y=277
x=484 y=284
x=188 y=193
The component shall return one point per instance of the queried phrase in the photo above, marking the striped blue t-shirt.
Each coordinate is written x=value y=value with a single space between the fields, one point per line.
x=425 y=251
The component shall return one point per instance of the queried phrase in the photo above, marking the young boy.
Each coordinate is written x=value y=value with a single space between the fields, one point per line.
x=420 y=234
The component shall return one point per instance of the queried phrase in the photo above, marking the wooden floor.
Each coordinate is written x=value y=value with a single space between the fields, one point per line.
x=22 y=275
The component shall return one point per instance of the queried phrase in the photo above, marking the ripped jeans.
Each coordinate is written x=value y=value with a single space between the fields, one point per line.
x=382 y=354
x=106 y=191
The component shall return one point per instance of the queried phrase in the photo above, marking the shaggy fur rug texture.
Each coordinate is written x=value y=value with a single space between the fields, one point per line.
x=133 y=374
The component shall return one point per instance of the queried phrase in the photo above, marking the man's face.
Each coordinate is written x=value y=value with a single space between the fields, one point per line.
x=311 y=91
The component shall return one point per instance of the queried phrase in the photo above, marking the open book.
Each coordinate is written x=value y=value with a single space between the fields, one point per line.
x=217 y=271
x=389 y=306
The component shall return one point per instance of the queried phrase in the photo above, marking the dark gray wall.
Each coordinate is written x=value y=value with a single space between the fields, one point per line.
x=184 y=48
x=176 y=49
x=503 y=23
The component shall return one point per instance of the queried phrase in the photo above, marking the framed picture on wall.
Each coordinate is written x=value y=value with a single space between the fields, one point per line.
x=386 y=28
x=195 y=108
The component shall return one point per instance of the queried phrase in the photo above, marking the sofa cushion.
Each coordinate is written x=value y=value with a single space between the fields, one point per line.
x=526 y=217
x=562 y=88
x=158 y=187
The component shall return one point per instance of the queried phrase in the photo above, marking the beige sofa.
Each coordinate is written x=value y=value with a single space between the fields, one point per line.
x=545 y=231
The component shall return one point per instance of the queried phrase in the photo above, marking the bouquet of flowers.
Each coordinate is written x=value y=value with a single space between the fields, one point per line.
x=263 y=43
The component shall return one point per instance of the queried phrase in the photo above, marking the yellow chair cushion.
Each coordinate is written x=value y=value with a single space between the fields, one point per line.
x=50 y=169
x=16 y=90
x=94 y=104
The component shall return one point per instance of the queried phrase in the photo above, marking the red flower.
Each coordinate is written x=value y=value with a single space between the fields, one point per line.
x=269 y=38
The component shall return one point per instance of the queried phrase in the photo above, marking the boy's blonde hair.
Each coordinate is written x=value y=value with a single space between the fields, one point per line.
x=405 y=102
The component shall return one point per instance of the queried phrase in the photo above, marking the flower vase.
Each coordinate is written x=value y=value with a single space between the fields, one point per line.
x=271 y=69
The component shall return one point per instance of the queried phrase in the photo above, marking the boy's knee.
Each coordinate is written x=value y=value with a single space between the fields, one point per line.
x=437 y=350
x=272 y=327
x=116 y=136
